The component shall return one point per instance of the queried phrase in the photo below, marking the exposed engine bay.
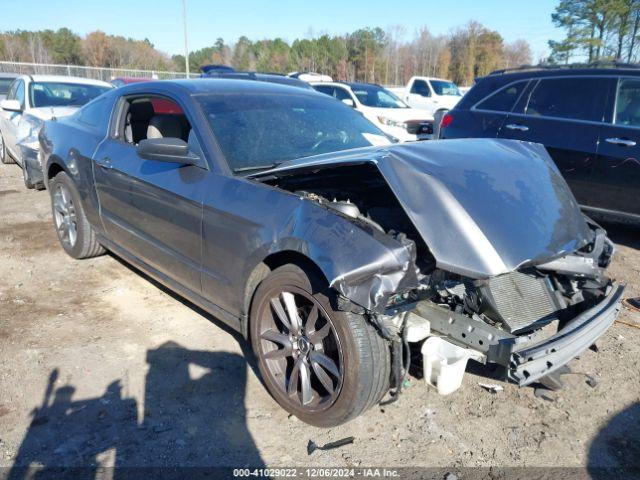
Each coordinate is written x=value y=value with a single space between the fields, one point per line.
x=496 y=317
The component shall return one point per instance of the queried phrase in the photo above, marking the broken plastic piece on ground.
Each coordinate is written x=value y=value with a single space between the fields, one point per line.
x=632 y=304
x=312 y=446
x=491 y=388
x=444 y=364
x=591 y=381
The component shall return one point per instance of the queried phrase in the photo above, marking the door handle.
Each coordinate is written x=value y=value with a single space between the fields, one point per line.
x=621 y=142
x=105 y=163
x=518 y=127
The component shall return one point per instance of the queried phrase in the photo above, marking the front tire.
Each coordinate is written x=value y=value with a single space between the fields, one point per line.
x=75 y=234
x=4 y=155
x=323 y=365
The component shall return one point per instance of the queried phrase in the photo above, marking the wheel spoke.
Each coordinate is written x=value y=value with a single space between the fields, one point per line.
x=292 y=312
x=276 y=337
x=318 y=335
x=305 y=380
x=325 y=362
x=323 y=377
x=292 y=386
x=312 y=319
x=278 y=354
x=277 y=307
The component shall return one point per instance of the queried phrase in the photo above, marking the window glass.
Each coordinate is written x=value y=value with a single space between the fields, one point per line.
x=443 y=87
x=341 y=94
x=4 y=85
x=503 y=100
x=575 y=98
x=259 y=131
x=60 y=94
x=420 y=87
x=628 y=102
x=93 y=113
x=11 y=95
x=20 y=92
x=326 y=89
x=377 y=97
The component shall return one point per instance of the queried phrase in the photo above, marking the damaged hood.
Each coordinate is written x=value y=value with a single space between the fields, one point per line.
x=484 y=207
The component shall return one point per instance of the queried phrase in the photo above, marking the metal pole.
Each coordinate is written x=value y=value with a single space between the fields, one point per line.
x=186 y=47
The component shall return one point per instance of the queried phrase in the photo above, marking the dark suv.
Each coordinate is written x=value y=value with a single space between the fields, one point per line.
x=587 y=118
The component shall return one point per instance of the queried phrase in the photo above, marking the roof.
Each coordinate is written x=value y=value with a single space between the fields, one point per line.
x=209 y=85
x=66 y=79
x=9 y=75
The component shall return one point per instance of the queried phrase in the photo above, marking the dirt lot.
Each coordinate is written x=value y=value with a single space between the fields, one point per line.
x=99 y=365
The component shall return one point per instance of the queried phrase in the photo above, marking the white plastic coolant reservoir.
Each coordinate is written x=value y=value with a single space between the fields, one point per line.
x=444 y=364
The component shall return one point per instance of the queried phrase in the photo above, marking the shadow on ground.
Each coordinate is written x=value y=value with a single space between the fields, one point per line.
x=616 y=447
x=193 y=416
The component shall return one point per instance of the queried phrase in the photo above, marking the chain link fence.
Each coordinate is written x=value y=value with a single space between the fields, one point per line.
x=98 y=73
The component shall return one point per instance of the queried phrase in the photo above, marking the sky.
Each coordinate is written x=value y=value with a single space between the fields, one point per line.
x=161 y=20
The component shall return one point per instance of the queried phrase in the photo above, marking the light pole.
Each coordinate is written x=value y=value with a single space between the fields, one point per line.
x=186 y=46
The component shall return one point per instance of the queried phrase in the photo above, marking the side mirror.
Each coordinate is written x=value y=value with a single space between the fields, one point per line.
x=11 y=105
x=349 y=102
x=172 y=150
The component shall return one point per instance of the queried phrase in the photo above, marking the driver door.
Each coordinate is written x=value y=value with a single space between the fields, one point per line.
x=152 y=209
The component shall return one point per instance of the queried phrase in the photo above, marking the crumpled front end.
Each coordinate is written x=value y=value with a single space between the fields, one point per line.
x=503 y=264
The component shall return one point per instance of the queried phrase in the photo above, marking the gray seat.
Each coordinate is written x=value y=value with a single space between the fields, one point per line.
x=138 y=121
x=161 y=126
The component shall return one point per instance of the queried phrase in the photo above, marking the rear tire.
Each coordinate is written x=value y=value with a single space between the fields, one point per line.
x=4 y=155
x=344 y=361
x=75 y=234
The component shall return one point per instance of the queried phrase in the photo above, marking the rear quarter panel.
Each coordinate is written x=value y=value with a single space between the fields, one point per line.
x=69 y=145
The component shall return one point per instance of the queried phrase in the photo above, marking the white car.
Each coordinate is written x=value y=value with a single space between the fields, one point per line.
x=30 y=100
x=430 y=94
x=383 y=108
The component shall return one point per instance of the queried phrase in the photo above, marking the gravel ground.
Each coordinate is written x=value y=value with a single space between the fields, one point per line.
x=101 y=366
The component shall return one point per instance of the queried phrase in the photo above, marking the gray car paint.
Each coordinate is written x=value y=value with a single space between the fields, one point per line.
x=204 y=232
x=484 y=207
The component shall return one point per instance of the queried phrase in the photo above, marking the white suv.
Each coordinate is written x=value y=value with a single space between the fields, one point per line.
x=32 y=99
x=383 y=108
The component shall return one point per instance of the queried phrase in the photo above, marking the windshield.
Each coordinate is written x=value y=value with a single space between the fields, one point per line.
x=4 y=85
x=377 y=97
x=259 y=131
x=57 y=94
x=442 y=87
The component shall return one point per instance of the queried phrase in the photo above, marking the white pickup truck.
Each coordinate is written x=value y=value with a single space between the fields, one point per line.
x=430 y=94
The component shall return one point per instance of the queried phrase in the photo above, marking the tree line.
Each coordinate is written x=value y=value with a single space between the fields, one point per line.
x=597 y=30
x=387 y=56
x=96 y=49
x=376 y=55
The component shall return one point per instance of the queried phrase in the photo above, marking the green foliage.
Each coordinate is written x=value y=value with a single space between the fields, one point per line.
x=596 y=30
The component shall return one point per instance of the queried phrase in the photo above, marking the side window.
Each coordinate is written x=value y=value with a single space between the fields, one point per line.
x=326 y=89
x=11 y=94
x=628 y=102
x=504 y=99
x=20 y=92
x=93 y=113
x=152 y=116
x=421 y=88
x=342 y=94
x=575 y=98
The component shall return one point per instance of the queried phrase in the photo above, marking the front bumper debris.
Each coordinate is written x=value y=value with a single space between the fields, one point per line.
x=533 y=362
x=526 y=360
